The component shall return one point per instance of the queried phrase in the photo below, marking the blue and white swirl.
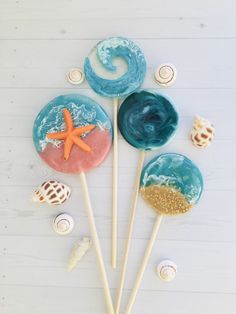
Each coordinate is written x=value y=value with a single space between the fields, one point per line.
x=108 y=50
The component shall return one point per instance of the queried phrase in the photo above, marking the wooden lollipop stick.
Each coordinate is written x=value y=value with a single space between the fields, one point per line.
x=115 y=185
x=130 y=230
x=96 y=244
x=143 y=266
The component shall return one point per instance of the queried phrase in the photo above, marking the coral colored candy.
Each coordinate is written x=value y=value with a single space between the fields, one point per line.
x=72 y=134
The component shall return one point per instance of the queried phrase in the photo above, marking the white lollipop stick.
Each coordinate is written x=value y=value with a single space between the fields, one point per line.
x=143 y=266
x=130 y=230
x=114 y=185
x=96 y=244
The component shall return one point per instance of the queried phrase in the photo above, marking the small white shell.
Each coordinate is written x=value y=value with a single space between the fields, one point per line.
x=63 y=224
x=52 y=192
x=165 y=74
x=78 y=251
x=202 y=132
x=167 y=270
x=75 y=76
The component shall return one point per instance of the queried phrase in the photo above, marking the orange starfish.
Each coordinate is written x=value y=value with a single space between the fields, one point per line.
x=71 y=135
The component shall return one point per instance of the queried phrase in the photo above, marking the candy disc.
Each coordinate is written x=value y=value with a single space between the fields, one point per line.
x=119 y=65
x=72 y=133
x=171 y=184
x=147 y=120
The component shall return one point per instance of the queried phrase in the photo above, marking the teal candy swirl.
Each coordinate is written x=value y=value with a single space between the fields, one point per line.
x=106 y=51
x=147 y=121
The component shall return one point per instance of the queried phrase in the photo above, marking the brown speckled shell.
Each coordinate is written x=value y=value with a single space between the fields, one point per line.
x=202 y=132
x=52 y=192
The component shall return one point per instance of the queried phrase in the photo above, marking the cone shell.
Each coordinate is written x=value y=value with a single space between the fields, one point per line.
x=52 y=192
x=202 y=132
x=167 y=270
x=78 y=251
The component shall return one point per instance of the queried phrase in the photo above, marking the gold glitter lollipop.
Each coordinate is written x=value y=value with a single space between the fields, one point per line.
x=165 y=200
x=171 y=184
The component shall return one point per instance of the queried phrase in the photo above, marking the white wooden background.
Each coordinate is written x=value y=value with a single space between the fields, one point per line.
x=39 y=42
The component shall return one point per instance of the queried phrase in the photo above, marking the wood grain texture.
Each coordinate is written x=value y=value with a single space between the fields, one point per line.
x=39 y=42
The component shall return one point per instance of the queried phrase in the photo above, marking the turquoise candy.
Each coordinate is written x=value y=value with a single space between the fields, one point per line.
x=108 y=50
x=147 y=121
x=174 y=171
x=84 y=111
x=50 y=119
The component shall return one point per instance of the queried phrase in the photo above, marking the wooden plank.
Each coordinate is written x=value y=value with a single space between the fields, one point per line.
x=58 y=300
x=42 y=64
x=27 y=218
x=63 y=9
x=41 y=261
x=27 y=168
x=155 y=19
x=22 y=106
x=39 y=42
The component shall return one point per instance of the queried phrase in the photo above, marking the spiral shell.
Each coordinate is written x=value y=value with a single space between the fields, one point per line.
x=165 y=75
x=63 y=224
x=167 y=270
x=202 y=132
x=78 y=251
x=75 y=76
x=52 y=192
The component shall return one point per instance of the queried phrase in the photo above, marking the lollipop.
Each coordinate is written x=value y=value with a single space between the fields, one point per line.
x=73 y=134
x=147 y=121
x=171 y=184
x=120 y=68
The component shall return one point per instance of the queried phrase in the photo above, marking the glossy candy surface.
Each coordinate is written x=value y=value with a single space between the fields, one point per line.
x=147 y=121
x=171 y=184
x=83 y=112
x=116 y=67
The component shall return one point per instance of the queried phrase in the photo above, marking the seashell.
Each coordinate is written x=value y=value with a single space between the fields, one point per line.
x=165 y=74
x=167 y=270
x=63 y=224
x=52 y=192
x=202 y=132
x=75 y=76
x=78 y=251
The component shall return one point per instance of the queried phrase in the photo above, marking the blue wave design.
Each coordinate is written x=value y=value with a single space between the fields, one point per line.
x=176 y=171
x=50 y=119
x=106 y=51
x=147 y=121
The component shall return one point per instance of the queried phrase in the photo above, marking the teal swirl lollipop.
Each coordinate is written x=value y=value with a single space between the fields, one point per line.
x=147 y=121
x=120 y=68
x=171 y=184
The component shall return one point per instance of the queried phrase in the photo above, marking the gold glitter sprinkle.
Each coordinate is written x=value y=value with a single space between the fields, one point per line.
x=165 y=200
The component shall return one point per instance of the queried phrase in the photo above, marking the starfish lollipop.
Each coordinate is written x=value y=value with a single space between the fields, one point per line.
x=73 y=134
x=172 y=185
x=120 y=69
x=147 y=121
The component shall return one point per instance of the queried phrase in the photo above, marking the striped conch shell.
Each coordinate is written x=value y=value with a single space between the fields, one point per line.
x=78 y=251
x=202 y=132
x=52 y=192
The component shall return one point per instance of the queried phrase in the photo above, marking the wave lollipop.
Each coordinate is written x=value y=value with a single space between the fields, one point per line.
x=120 y=69
x=171 y=184
x=147 y=121
x=73 y=134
